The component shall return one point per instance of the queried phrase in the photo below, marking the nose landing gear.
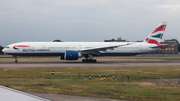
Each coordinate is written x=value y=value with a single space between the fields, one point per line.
x=16 y=61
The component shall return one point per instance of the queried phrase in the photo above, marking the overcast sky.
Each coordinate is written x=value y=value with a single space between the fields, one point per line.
x=86 y=20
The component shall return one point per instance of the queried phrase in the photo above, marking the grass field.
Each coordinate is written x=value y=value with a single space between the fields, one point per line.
x=66 y=81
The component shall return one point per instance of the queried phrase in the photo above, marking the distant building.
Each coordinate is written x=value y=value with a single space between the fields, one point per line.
x=173 y=49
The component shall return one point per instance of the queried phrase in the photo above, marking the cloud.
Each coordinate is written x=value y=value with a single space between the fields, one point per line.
x=72 y=20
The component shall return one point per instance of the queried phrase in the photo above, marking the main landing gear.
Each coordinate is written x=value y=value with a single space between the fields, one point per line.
x=89 y=59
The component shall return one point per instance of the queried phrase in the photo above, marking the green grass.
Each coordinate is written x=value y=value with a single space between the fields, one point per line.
x=66 y=81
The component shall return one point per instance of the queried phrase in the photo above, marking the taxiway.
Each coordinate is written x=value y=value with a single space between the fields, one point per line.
x=98 y=64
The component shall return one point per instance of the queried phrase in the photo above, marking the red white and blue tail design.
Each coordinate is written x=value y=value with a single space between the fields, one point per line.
x=156 y=36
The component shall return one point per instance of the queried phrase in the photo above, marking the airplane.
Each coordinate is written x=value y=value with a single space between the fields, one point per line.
x=76 y=50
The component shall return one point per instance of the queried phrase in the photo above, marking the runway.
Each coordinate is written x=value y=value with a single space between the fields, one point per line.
x=98 y=64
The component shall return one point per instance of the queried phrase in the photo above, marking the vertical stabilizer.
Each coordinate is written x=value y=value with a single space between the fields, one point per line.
x=156 y=36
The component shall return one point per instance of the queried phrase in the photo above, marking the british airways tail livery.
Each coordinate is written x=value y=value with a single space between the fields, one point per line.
x=75 y=50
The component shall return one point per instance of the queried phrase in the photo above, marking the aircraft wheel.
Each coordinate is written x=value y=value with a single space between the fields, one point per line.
x=91 y=60
x=16 y=61
x=83 y=60
x=87 y=60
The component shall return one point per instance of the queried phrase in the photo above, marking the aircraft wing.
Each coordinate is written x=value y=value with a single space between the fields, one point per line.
x=96 y=50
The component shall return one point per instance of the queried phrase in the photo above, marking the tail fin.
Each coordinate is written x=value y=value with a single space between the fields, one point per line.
x=156 y=36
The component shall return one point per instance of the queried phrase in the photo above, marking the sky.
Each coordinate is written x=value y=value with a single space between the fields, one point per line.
x=86 y=20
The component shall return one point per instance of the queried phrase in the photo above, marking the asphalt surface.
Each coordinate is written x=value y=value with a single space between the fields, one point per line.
x=59 y=97
x=98 y=64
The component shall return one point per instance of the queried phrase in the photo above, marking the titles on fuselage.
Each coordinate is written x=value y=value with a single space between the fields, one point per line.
x=36 y=50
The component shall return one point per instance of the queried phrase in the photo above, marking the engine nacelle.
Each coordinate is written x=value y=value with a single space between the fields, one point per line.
x=71 y=55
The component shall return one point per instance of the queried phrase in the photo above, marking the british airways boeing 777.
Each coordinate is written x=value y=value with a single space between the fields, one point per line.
x=75 y=50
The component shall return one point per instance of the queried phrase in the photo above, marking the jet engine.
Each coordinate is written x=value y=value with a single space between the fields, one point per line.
x=71 y=55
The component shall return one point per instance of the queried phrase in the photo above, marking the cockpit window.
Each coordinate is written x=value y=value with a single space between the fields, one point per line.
x=6 y=47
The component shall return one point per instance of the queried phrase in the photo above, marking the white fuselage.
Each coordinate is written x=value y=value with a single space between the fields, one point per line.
x=59 y=48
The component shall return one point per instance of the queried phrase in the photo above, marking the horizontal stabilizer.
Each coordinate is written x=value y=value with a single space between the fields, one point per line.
x=162 y=46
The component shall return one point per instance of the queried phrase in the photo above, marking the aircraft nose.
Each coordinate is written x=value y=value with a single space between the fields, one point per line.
x=3 y=50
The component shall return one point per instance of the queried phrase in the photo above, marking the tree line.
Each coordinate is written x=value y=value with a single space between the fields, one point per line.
x=1 y=48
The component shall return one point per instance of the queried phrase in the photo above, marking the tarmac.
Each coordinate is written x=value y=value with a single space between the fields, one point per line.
x=60 y=97
x=99 y=64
